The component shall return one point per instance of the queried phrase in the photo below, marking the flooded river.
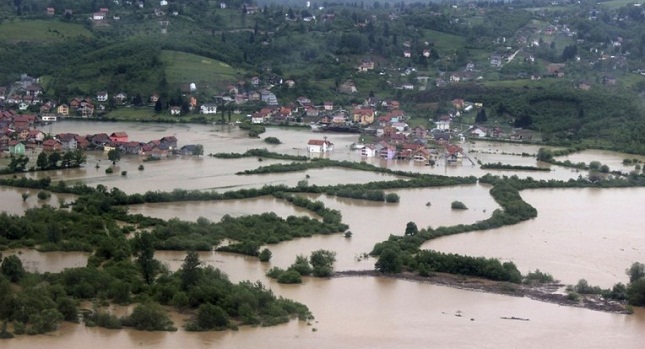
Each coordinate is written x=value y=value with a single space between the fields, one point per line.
x=579 y=233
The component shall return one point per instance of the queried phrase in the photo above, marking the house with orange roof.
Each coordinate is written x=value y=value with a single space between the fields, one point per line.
x=364 y=116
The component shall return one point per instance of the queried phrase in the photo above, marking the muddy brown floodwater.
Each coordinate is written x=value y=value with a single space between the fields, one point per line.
x=579 y=233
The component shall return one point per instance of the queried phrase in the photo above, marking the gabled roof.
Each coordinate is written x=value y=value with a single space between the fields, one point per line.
x=318 y=142
x=66 y=137
x=50 y=143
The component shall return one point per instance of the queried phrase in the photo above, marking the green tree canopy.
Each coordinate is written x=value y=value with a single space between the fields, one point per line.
x=322 y=262
x=12 y=268
x=389 y=261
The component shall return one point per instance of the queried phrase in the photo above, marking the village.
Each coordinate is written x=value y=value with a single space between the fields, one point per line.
x=381 y=125
x=21 y=135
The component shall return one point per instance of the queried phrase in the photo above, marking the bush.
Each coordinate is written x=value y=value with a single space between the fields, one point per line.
x=274 y=272
x=392 y=198
x=43 y=195
x=103 y=319
x=290 y=277
x=301 y=265
x=265 y=255
x=209 y=317
x=141 y=168
x=389 y=261
x=573 y=296
x=149 y=317
x=109 y=170
x=458 y=205
x=272 y=140
x=538 y=277
x=124 y=173
x=322 y=262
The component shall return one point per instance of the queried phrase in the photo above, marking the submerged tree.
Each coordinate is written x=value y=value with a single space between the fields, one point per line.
x=143 y=247
x=114 y=155
x=190 y=270
x=636 y=271
x=322 y=262
x=12 y=268
x=389 y=261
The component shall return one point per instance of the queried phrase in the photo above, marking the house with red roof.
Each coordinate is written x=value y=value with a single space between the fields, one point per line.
x=52 y=145
x=119 y=137
x=36 y=136
x=454 y=153
x=319 y=145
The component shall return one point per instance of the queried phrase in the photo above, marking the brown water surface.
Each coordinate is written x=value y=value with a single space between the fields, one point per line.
x=579 y=233
x=587 y=233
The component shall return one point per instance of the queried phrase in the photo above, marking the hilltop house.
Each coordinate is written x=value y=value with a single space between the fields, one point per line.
x=444 y=123
x=121 y=97
x=102 y=96
x=366 y=65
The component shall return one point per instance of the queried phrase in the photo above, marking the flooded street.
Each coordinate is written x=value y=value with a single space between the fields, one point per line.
x=579 y=233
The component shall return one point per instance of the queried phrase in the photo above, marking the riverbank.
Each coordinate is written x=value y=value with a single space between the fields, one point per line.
x=543 y=293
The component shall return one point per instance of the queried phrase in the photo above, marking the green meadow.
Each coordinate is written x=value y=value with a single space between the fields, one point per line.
x=40 y=31
x=183 y=68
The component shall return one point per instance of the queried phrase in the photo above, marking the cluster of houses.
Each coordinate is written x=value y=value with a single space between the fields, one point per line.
x=27 y=92
x=20 y=142
x=394 y=138
x=413 y=144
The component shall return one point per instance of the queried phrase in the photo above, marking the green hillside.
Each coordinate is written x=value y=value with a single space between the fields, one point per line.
x=41 y=31
x=183 y=68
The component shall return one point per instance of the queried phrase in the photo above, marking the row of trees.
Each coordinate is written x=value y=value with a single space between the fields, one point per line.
x=54 y=160
x=46 y=161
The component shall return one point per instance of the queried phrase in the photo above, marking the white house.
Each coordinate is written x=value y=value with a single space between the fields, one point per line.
x=319 y=146
x=369 y=151
x=98 y=16
x=400 y=126
x=174 y=110
x=102 y=96
x=257 y=118
x=443 y=125
x=477 y=132
x=208 y=108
